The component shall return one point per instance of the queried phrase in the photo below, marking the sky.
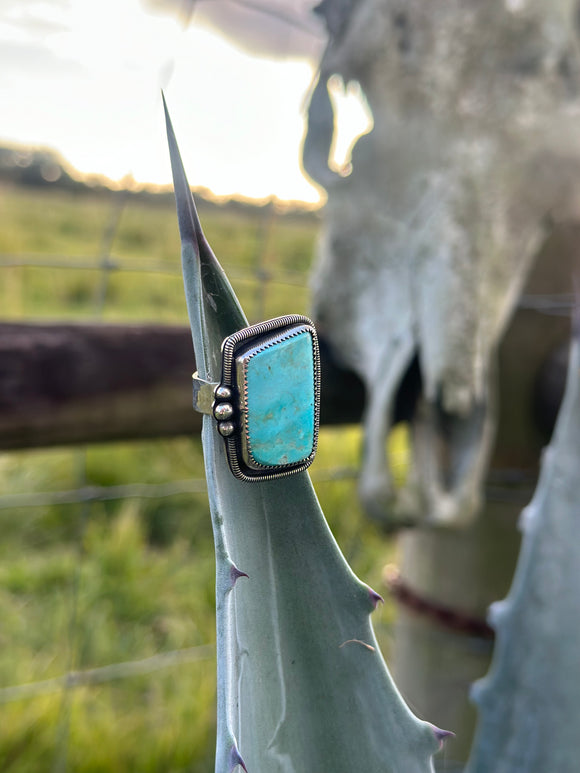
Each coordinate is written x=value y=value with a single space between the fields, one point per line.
x=85 y=79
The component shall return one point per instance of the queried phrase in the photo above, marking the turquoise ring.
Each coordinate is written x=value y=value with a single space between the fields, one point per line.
x=267 y=404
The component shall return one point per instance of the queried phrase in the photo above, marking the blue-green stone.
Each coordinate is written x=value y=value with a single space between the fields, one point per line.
x=280 y=403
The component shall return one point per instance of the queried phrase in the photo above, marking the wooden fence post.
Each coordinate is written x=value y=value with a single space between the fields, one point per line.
x=451 y=576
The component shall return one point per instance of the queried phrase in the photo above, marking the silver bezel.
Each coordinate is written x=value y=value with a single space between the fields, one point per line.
x=237 y=446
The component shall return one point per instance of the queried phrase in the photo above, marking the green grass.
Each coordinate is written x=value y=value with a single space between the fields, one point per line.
x=42 y=225
x=86 y=585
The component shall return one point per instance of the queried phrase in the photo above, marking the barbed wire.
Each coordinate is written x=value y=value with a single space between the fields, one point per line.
x=499 y=489
x=109 y=673
x=106 y=262
x=111 y=263
x=504 y=488
x=263 y=273
x=552 y=304
x=138 y=491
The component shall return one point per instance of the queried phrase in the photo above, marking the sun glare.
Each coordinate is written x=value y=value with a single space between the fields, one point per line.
x=247 y=110
x=85 y=79
x=352 y=119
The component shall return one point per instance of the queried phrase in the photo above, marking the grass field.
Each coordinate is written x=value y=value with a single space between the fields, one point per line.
x=87 y=585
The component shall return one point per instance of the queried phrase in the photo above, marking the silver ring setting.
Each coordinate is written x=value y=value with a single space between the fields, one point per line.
x=267 y=403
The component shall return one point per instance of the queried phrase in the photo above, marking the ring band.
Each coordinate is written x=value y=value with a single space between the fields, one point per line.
x=266 y=404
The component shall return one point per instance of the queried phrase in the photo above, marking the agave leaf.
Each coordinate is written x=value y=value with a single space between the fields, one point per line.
x=529 y=702
x=302 y=685
x=213 y=308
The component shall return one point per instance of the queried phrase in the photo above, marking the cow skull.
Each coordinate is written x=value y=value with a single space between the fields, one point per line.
x=426 y=245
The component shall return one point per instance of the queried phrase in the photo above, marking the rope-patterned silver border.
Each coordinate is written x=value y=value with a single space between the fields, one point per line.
x=231 y=344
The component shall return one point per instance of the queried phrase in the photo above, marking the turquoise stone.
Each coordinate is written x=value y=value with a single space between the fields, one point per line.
x=280 y=402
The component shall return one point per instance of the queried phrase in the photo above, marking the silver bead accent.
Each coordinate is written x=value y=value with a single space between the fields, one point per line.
x=226 y=428
x=223 y=411
x=223 y=393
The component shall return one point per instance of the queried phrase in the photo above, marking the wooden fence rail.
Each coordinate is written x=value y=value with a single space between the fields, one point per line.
x=85 y=383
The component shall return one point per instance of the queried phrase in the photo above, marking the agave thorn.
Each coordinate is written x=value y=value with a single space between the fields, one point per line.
x=442 y=735
x=211 y=302
x=189 y=225
x=236 y=759
x=235 y=574
x=375 y=598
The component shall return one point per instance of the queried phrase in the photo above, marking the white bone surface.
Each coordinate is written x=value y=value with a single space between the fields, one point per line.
x=426 y=245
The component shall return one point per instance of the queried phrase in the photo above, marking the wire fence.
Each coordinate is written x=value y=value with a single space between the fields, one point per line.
x=106 y=673
x=75 y=509
x=262 y=273
x=259 y=278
